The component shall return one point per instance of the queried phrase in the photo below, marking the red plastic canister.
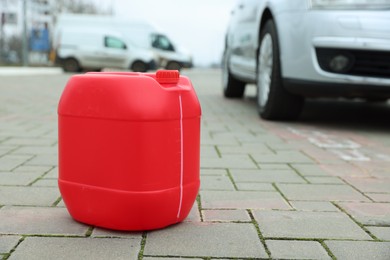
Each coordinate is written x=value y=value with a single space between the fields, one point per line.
x=129 y=146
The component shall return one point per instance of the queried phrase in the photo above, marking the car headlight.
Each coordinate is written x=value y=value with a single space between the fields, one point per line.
x=349 y=4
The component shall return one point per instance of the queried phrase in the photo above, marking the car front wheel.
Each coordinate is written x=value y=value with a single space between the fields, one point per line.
x=139 y=66
x=273 y=101
x=173 y=65
x=71 y=65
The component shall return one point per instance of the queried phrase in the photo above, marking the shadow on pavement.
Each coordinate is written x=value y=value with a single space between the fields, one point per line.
x=359 y=115
x=342 y=114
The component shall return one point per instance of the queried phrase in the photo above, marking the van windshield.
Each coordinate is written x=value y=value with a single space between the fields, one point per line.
x=160 y=41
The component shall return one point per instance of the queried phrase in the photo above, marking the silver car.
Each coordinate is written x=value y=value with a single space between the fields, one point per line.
x=293 y=49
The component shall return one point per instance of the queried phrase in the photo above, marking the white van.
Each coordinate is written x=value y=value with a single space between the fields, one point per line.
x=137 y=33
x=78 y=49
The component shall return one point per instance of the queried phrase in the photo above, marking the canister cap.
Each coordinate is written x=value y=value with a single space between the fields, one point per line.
x=167 y=76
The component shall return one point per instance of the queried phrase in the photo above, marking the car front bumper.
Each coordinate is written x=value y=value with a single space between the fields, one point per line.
x=302 y=33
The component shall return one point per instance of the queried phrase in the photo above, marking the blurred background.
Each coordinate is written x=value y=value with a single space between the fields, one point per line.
x=28 y=27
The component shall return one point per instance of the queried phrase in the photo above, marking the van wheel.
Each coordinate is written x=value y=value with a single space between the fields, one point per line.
x=139 y=66
x=71 y=65
x=173 y=65
x=273 y=101
x=232 y=87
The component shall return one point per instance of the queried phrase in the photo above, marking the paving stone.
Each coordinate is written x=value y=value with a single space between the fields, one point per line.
x=268 y=139
x=36 y=150
x=39 y=221
x=77 y=248
x=379 y=197
x=231 y=162
x=46 y=183
x=10 y=162
x=309 y=170
x=281 y=146
x=324 y=180
x=221 y=182
x=217 y=172
x=301 y=224
x=225 y=215
x=7 y=243
x=271 y=166
x=245 y=149
x=368 y=213
x=344 y=170
x=318 y=192
x=207 y=140
x=107 y=233
x=6 y=149
x=283 y=249
x=320 y=155
x=28 y=196
x=208 y=151
x=29 y=168
x=314 y=206
x=52 y=174
x=204 y=240
x=255 y=186
x=370 y=184
x=282 y=157
x=359 y=250
x=242 y=200
x=382 y=233
x=194 y=215
x=170 y=258
x=18 y=178
x=30 y=141
x=270 y=176
x=44 y=159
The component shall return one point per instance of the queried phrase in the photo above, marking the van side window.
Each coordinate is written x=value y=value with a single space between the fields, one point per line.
x=162 y=42
x=112 y=42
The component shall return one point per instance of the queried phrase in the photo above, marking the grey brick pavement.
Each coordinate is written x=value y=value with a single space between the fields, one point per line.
x=270 y=190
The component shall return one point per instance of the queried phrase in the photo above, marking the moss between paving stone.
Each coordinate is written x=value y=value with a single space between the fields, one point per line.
x=143 y=243
x=89 y=231
x=297 y=172
x=6 y=256
x=231 y=179
x=322 y=242
x=198 y=200
x=259 y=234
x=218 y=151
x=55 y=203
x=281 y=194
x=357 y=222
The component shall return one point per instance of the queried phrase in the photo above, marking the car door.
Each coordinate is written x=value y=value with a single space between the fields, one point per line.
x=243 y=37
x=115 y=52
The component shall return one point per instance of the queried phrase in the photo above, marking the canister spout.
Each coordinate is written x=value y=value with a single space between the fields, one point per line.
x=167 y=76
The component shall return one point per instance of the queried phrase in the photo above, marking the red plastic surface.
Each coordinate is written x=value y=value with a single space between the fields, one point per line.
x=129 y=149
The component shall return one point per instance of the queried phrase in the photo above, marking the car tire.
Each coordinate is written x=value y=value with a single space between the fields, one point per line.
x=173 y=65
x=273 y=101
x=232 y=87
x=71 y=65
x=139 y=66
